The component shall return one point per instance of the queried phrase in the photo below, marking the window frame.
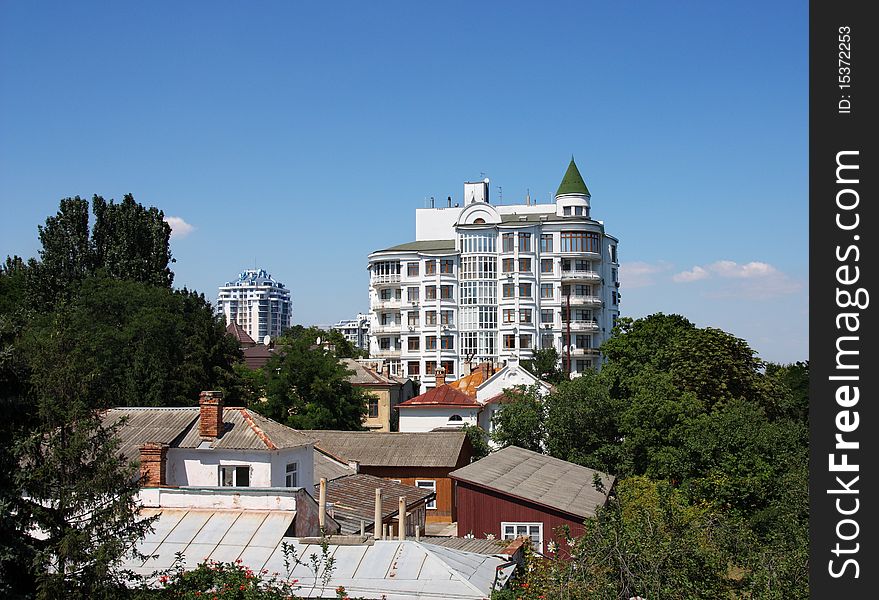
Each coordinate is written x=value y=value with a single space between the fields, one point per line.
x=235 y=471
x=294 y=472
x=430 y=504
x=538 y=546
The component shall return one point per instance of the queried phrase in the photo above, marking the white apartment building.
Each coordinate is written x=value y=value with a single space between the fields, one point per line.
x=256 y=301
x=484 y=282
x=355 y=330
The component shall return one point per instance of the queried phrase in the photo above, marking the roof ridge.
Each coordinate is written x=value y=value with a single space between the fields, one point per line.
x=453 y=571
x=262 y=435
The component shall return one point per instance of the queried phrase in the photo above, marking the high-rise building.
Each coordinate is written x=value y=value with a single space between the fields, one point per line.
x=355 y=330
x=257 y=302
x=484 y=282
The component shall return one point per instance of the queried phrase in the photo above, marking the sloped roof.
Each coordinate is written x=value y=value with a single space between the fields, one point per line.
x=236 y=331
x=326 y=467
x=256 y=357
x=572 y=182
x=444 y=395
x=469 y=383
x=354 y=497
x=422 y=246
x=363 y=376
x=392 y=449
x=540 y=479
x=179 y=428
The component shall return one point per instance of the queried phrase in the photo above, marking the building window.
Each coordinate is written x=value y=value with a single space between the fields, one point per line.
x=509 y=315
x=449 y=366
x=546 y=265
x=613 y=275
x=508 y=290
x=507 y=265
x=581 y=241
x=614 y=297
x=384 y=343
x=430 y=342
x=372 y=405
x=546 y=290
x=414 y=367
x=583 y=365
x=412 y=269
x=547 y=340
x=430 y=367
x=430 y=292
x=414 y=343
x=524 y=290
x=413 y=319
x=292 y=474
x=578 y=210
x=567 y=211
x=613 y=253
x=511 y=531
x=430 y=317
x=509 y=341
x=525 y=341
x=412 y=294
x=446 y=265
x=456 y=419
x=446 y=292
x=430 y=267
x=524 y=242
x=546 y=315
x=428 y=484
x=524 y=265
x=525 y=315
x=446 y=317
x=546 y=242
x=234 y=476
x=384 y=294
x=447 y=342
x=508 y=242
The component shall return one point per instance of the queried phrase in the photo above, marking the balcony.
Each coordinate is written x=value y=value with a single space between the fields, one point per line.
x=385 y=280
x=393 y=303
x=385 y=328
x=582 y=301
x=386 y=353
x=584 y=352
x=590 y=276
x=581 y=326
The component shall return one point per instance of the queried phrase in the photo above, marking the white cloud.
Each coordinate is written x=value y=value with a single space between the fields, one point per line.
x=759 y=280
x=179 y=227
x=694 y=274
x=641 y=274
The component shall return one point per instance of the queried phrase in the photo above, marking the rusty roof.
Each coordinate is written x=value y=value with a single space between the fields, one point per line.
x=444 y=395
x=179 y=428
x=392 y=449
x=469 y=383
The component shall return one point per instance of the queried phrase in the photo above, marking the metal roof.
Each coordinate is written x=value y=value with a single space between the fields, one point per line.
x=395 y=570
x=476 y=545
x=247 y=430
x=354 y=495
x=329 y=468
x=444 y=395
x=540 y=479
x=143 y=425
x=392 y=449
x=422 y=246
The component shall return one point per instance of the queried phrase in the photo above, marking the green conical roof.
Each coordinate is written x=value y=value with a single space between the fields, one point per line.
x=572 y=183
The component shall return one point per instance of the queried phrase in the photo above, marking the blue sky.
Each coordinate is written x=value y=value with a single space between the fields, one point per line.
x=301 y=136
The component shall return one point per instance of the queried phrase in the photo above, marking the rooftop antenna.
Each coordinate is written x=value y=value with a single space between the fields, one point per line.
x=528 y=196
x=500 y=195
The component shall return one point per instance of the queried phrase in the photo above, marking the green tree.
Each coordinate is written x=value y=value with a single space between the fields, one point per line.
x=479 y=440
x=307 y=387
x=544 y=364
x=77 y=490
x=520 y=420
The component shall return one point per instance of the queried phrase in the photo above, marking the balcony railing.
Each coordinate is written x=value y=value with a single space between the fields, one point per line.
x=386 y=279
x=386 y=328
x=392 y=303
x=583 y=301
x=581 y=325
x=584 y=351
x=386 y=353
x=575 y=275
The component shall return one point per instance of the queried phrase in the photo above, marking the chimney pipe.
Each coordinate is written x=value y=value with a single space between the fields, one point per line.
x=210 y=423
x=322 y=505
x=377 y=523
x=402 y=515
x=440 y=376
x=152 y=464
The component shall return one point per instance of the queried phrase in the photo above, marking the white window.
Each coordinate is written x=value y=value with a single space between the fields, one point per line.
x=510 y=531
x=292 y=479
x=428 y=484
x=232 y=476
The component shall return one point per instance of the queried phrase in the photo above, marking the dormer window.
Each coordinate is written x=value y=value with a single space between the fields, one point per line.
x=567 y=210
x=479 y=221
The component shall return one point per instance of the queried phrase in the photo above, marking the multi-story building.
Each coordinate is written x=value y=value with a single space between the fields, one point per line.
x=355 y=330
x=256 y=301
x=485 y=283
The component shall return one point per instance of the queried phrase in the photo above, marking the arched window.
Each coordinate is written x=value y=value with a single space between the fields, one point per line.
x=455 y=419
x=479 y=221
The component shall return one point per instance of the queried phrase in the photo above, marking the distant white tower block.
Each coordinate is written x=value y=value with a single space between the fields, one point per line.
x=256 y=301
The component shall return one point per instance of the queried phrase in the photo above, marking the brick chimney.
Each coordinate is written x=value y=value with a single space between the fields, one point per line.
x=440 y=376
x=152 y=464
x=210 y=423
x=486 y=369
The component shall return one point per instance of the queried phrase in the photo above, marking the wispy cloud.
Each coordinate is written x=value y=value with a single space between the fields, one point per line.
x=758 y=280
x=641 y=274
x=179 y=228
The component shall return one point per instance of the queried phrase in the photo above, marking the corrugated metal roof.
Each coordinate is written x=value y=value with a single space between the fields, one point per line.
x=392 y=449
x=395 y=570
x=538 y=478
x=247 y=430
x=143 y=425
x=476 y=545
x=444 y=395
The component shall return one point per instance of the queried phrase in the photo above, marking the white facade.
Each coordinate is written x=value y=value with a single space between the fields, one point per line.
x=428 y=418
x=489 y=283
x=256 y=301
x=201 y=467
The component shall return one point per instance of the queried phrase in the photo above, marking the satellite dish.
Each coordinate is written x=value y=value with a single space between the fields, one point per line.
x=487 y=180
x=317 y=341
x=266 y=340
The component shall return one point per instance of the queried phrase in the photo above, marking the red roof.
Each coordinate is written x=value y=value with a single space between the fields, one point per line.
x=444 y=395
x=236 y=331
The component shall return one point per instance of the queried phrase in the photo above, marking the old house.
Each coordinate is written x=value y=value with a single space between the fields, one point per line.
x=515 y=492
x=385 y=392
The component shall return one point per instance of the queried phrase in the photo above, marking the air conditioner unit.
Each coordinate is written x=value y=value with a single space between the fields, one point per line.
x=411 y=328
